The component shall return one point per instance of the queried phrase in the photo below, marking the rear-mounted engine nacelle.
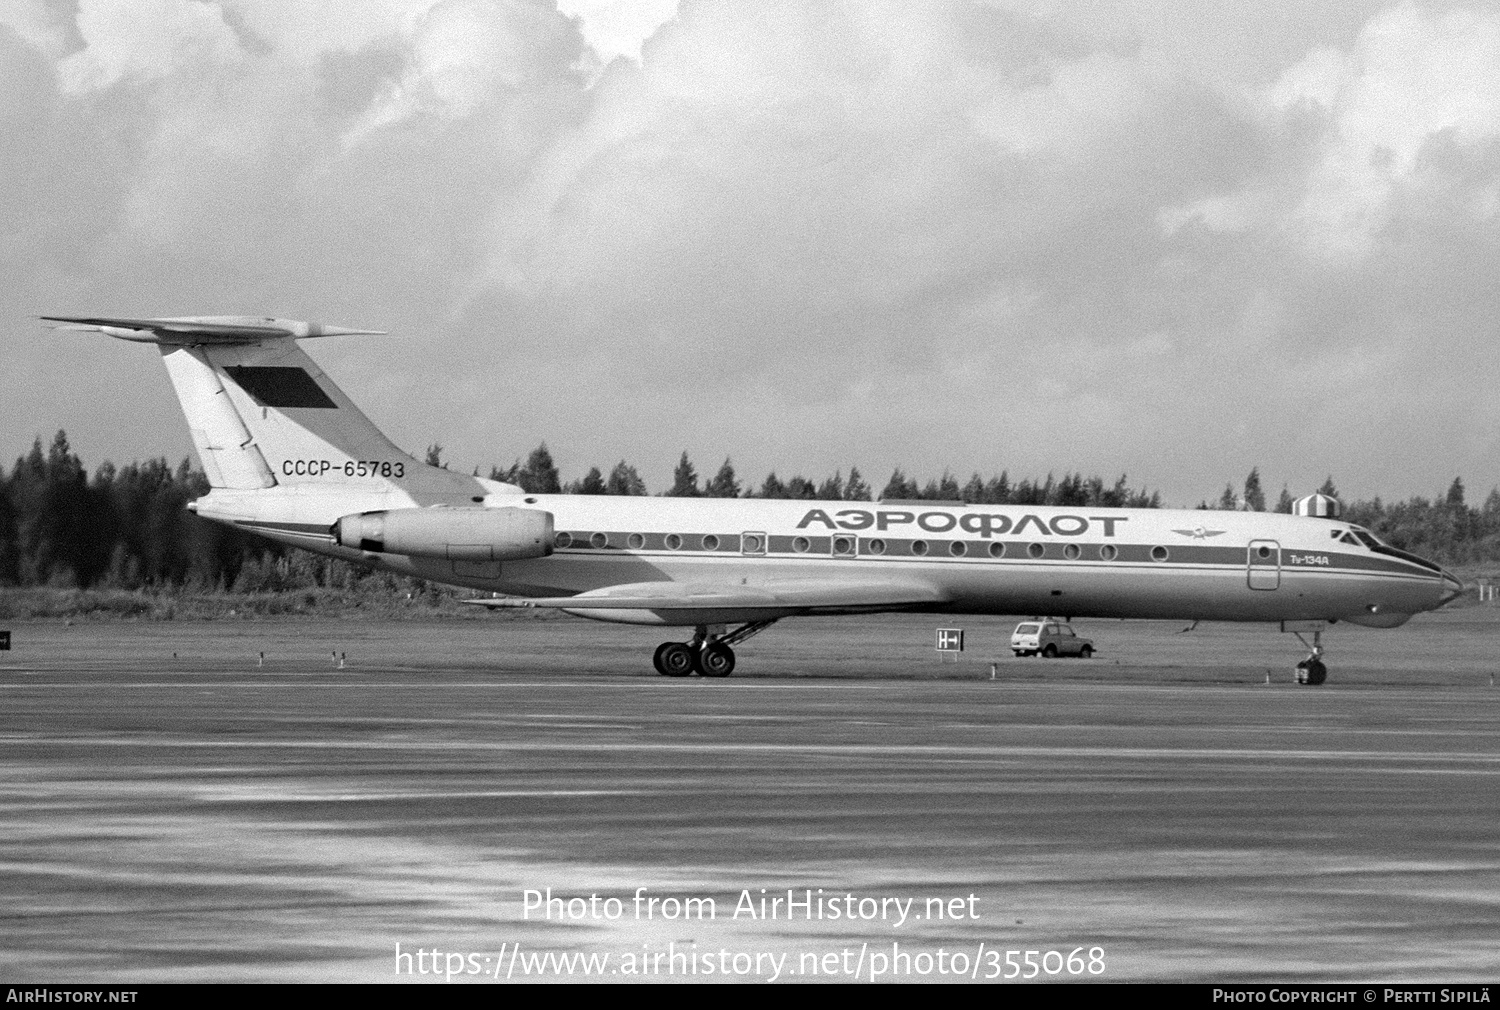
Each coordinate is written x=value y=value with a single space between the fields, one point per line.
x=457 y=534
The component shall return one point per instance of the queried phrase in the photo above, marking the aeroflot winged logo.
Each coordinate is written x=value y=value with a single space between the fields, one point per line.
x=986 y=524
x=1198 y=533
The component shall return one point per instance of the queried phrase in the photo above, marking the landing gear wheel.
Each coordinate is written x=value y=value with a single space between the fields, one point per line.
x=1050 y=652
x=1311 y=671
x=673 y=659
x=1087 y=652
x=716 y=660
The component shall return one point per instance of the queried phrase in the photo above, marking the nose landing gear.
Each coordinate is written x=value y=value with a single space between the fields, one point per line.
x=1311 y=670
x=706 y=655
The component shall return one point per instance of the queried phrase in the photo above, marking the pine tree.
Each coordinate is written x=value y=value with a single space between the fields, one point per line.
x=1071 y=490
x=1227 y=501
x=73 y=518
x=832 y=489
x=7 y=534
x=539 y=475
x=772 y=487
x=1455 y=497
x=1284 y=503
x=51 y=503
x=592 y=483
x=624 y=480
x=1328 y=488
x=801 y=487
x=900 y=487
x=1026 y=493
x=724 y=484
x=435 y=456
x=1255 y=497
x=507 y=475
x=684 y=480
x=997 y=489
x=28 y=497
x=855 y=489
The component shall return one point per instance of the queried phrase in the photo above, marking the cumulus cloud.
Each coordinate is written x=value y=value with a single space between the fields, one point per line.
x=462 y=54
x=48 y=28
x=618 y=27
x=871 y=148
x=1397 y=121
x=830 y=209
x=305 y=32
x=976 y=235
x=145 y=39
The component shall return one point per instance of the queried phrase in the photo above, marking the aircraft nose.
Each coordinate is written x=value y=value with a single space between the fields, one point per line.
x=1453 y=587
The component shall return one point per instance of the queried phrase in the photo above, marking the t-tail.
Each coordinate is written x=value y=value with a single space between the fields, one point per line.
x=288 y=456
x=264 y=415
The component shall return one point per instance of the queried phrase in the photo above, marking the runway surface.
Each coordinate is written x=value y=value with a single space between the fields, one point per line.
x=205 y=817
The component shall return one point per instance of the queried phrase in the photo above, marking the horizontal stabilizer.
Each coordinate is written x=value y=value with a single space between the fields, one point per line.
x=808 y=595
x=202 y=329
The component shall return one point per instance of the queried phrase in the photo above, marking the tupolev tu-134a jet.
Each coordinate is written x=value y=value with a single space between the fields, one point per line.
x=289 y=457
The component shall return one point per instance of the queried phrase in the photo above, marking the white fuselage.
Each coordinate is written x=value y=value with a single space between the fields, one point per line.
x=983 y=559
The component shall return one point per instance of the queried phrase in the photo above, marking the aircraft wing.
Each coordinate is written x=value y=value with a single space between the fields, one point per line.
x=783 y=596
x=201 y=329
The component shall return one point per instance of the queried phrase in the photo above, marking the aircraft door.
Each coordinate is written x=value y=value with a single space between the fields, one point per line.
x=1263 y=566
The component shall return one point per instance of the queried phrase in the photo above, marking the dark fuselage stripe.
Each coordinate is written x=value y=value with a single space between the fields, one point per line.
x=975 y=550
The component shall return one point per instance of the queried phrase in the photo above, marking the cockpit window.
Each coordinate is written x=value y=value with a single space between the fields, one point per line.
x=1354 y=536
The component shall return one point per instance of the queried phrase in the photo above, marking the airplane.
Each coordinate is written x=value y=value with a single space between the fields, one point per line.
x=289 y=457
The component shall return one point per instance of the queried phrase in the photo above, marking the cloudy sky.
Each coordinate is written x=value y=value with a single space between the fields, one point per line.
x=1169 y=239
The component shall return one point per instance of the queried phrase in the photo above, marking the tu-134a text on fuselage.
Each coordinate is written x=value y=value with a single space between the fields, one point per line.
x=289 y=457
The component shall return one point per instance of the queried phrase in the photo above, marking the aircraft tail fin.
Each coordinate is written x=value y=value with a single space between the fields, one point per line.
x=262 y=413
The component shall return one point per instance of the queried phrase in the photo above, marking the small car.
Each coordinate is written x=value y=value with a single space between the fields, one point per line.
x=1050 y=638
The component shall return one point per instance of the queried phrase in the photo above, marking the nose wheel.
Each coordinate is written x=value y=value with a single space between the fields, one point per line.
x=1311 y=670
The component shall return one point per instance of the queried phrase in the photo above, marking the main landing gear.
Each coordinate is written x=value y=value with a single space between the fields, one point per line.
x=709 y=655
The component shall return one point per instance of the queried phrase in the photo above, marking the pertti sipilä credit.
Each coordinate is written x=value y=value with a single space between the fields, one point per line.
x=985 y=524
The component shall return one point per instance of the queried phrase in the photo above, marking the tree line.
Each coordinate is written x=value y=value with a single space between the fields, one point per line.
x=121 y=527
x=127 y=527
x=539 y=475
x=1444 y=528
